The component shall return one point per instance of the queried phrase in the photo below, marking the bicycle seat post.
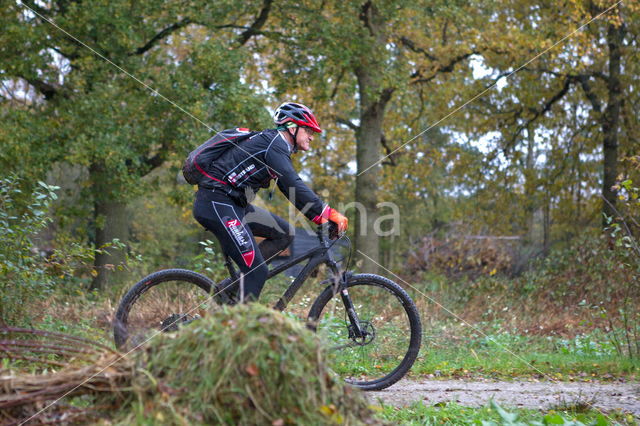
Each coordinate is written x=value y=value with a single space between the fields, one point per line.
x=229 y=264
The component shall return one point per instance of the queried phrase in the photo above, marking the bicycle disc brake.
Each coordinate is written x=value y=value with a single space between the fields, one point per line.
x=369 y=335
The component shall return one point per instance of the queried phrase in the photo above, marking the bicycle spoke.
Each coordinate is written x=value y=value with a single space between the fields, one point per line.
x=161 y=302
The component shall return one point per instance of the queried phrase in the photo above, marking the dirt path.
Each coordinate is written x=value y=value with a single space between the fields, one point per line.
x=543 y=395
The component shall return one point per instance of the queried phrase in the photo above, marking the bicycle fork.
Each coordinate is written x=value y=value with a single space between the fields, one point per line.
x=355 y=330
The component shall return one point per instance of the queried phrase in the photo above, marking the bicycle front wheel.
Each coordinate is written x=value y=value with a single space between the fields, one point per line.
x=161 y=302
x=390 y=328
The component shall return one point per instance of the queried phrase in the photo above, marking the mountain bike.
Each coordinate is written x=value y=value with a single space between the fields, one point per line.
x=370 y=324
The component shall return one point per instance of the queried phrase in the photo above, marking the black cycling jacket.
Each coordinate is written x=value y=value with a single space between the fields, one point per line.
x=255 y=162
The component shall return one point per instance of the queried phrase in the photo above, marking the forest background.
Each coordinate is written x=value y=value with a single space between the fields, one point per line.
x=505 y=132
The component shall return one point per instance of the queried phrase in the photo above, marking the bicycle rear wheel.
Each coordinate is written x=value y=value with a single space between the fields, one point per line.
x=391 y=325
x=160 y=302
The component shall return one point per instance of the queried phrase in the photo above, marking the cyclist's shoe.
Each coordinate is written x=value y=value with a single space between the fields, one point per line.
x=224 y=293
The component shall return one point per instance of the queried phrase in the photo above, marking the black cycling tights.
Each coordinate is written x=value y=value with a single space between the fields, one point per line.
x=235 y=226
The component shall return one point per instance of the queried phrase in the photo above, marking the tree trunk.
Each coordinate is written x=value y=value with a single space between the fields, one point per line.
x=546 y=224
x=369 y=135
x=111 y=221
x=530 y=187
x=611 y=119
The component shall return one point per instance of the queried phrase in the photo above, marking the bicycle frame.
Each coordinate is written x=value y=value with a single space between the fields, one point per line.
x=316 y=257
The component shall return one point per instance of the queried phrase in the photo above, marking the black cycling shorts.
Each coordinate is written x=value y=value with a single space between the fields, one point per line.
x=235 y=227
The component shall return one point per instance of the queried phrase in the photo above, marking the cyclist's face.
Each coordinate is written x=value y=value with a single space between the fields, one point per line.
x=305 y=136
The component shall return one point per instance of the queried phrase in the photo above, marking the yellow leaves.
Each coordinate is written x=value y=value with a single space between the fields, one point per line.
x=328 y=410
x=332 y=412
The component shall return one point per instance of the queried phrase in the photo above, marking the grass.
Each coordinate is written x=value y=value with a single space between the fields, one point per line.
x=499 y=364
x=449 y=348
x=453 y=351
x=492 y=414
x=491 y=349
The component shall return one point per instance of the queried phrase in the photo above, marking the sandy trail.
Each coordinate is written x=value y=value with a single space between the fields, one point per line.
x=540 y=395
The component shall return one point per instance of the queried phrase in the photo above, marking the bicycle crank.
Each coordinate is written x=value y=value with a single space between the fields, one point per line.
x=174 y=321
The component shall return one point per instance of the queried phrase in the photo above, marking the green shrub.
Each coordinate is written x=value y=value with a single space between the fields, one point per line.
x=29 y=274
x=23 y=275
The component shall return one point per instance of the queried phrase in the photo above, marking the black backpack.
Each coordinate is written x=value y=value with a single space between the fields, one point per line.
x=196 y=166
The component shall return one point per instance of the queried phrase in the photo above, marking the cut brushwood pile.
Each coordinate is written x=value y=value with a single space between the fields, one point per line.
x=241 y=365
x=63 y=366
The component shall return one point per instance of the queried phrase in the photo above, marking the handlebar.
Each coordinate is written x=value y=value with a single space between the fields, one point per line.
x=330 y=229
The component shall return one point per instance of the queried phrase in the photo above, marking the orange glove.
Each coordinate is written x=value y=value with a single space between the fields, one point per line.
x=339 y=219
x=330 y=215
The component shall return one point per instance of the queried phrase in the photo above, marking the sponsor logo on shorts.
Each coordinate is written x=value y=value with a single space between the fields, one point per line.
x=238 y=232
x=242 y=239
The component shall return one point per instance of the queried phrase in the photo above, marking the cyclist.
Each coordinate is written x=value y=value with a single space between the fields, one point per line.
x=222 y=202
